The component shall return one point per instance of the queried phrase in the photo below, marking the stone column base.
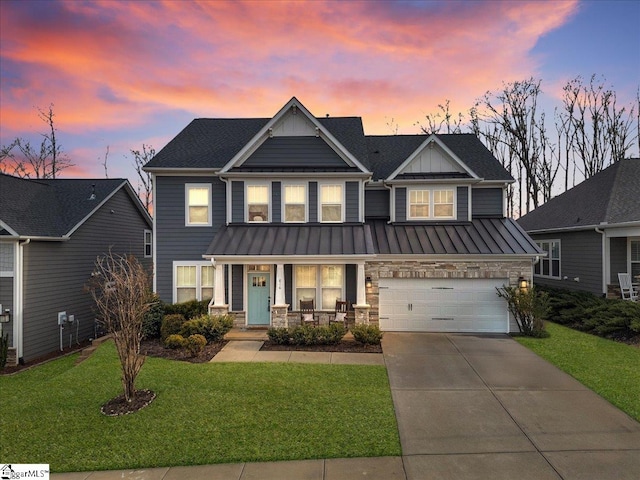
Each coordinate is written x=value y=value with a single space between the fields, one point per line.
x=362 y=313
x=217 y=310
x=279 y=315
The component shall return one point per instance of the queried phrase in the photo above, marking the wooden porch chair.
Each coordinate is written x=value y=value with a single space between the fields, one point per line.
x=308 y=313
x=626 y=287
x=340 y=313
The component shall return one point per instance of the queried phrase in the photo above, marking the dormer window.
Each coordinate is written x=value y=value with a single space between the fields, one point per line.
x=331 y=202
x=419 y=203
x=431 y=204
x=257 y=203
x=443 y=203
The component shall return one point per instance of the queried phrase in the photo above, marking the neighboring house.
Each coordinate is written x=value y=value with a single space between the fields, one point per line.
x=591 y=232
x=260 y=213
x=51 y=232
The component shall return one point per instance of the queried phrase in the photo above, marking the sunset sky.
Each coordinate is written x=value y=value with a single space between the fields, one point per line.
x=121 y=74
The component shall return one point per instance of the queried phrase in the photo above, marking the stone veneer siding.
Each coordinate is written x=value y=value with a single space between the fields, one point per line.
x=511 y=269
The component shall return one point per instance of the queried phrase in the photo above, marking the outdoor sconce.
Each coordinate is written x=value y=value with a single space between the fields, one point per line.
x=5 y=316
x=368 y=283
x=523 y=284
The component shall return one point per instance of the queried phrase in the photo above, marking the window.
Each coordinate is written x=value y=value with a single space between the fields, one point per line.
x=431 y=204
x=257 y=203
x=549 y=266
x=198 y=204
x=295 y=203
x=331 y=200
x=193 y=281
x=148 y=243
x=6 y=259
x=635 y=259
x=324 y=282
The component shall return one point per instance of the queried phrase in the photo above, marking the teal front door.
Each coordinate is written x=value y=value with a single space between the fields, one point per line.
x=259 y=299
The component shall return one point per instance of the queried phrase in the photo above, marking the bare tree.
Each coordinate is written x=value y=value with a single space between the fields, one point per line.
x=45 y=161
x=145 y=185
x=104 y=163
x=121 y=289
x=442 y=119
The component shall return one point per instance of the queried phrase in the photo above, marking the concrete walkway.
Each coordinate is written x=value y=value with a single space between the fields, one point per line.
x=468 y=407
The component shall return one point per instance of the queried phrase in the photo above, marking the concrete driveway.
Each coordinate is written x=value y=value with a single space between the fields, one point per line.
x=482 y=406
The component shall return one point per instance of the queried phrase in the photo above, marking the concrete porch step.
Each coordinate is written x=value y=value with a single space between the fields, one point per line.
x=257 y=334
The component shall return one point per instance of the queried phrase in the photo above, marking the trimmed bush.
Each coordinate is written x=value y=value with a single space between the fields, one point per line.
x=213 y=328
x=153 y=319
x=331 y=334
x=308 y=335
x=303 y=335
x=191 y=309
x=529 y=308
x=171 y=325
x=279 y=335
x=175 y=341
x=196 y=344
x=367 y=334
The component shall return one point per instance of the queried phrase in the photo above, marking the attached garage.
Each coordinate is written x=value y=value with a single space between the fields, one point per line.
x=442 y=305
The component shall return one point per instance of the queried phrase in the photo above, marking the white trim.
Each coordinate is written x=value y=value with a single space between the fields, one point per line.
x=343 y=186
x=188 y=186
x=283 y=203
x=432 y=190
x=9 y=229
x=144 y=243
x=319 y=287
x=629 y=262
x=182 y=172
x=549 y=258
x=198 y=286
x=154 y=235
x=601 y=226
x=266 y=184
x=14 y=260
x=294 y=259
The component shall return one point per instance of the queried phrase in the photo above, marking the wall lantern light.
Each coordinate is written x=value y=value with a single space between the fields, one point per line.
x=368 y=283
x=523 y=284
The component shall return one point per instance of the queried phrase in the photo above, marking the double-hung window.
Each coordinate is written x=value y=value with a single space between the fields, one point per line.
x=634 y=258
x=257 y=203
x=431 y=204
x=6 y=259
x=148 y=243
x=549 y=266
x=331 y=203
x=324 y=284
x=198 y=204
x=295 y=197
x=193 y=281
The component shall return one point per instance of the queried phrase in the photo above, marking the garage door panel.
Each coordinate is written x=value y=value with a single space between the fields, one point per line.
x=442 y=305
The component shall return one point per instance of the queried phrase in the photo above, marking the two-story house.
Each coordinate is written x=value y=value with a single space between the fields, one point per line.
x=260 y=213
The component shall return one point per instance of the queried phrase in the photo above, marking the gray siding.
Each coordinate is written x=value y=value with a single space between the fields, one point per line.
x=580 y=257
x=351 y=285
x=237 y=202
x=352 y=208
x=237 y=281
x=313 y=202
x=463 y=203
x=276 y=202
x=401 y=204
x=174 y=240
x=6 y=300
x=294 y=152
x=376 y=203
x=486 y=202
x=55 y=273
x=618 y=256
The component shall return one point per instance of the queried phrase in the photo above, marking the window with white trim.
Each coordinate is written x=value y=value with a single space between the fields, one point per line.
x=198 y=204
x=428 y=203
x=634 y=258
x=331 y=203
x=7 y=259
x=549 y=266
x=148 y=243
x=324 y=284
x=193 y=281
x=295 y=203
x=257 y=203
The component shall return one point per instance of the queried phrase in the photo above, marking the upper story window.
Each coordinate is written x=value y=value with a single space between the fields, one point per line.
x=257 y=203
x=6 y=259
x=431 y=204
x=331 y=203
x=198 y=204
x=148 y=243
x=549 y=266
x=295 y=203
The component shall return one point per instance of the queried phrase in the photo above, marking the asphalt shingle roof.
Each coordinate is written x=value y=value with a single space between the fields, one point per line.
x=50 y=208
x=611 y=196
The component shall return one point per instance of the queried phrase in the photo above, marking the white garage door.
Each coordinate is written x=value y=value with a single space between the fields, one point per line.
x=442 y=305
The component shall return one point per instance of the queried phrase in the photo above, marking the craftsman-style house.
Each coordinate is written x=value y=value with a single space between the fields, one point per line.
x=261 y=213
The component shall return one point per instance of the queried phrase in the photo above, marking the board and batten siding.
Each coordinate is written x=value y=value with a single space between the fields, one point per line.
x=580 y=258
x=174 y=240
x=487 y=202
x=56 y=273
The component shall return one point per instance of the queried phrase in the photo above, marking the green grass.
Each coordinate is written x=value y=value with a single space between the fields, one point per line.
x=609 y=368
x=204 y=413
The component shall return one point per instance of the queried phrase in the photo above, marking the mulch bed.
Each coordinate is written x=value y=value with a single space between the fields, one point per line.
x=9 y=369
x=346 y=346
x=119 y=406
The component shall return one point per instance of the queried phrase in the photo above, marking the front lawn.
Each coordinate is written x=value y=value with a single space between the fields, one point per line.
x=204 y=413
x=609 y=368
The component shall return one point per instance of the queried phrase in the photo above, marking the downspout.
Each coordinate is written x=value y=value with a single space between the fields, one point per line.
x=392 y=202
x=604 y=260
x=18 y=327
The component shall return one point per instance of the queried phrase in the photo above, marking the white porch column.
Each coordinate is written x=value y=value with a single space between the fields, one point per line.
x=361 y=293
x=280 y=284
x=218 y=284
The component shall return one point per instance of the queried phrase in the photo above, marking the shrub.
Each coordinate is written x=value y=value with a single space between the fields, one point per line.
x=331 y=334
x=303 y=335
x=175 y=341
x=195 y=344
x=171 y=325
x=4 y=350
x=367 y=334
x=153 y=319
x=529 y=308
x=190 y=309
x=213 y=328
x=613 y=318
x=279 y=335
